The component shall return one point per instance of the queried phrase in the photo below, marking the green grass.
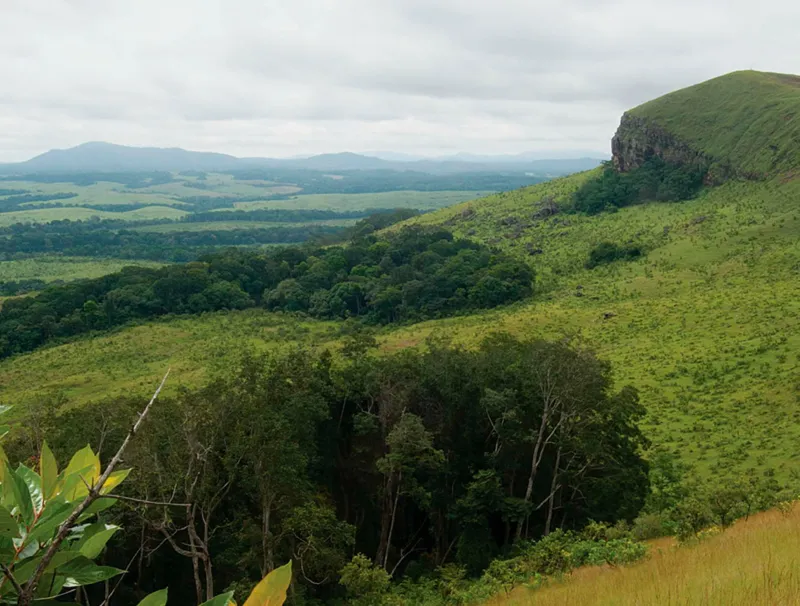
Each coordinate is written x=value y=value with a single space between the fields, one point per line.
x=228 y=225
x=753 y=563
x=706 y=326
x=101 y=192
x=126 y=361
x=45 y=215
x=750 y=119
x=49 y=268
x=423 y=200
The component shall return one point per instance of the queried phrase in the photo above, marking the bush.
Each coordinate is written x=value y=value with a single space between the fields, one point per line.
x=655 y=180
x=608 y=252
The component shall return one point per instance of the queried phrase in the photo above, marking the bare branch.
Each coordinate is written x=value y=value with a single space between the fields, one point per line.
x=142 y=501
x=10 y=576
x=26 y=596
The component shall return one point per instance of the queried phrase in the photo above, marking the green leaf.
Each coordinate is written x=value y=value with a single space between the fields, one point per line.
x=34 y=484
x=114 y=480
x=48 y=468
x=220 y=600
x=94 y=539
x=75 y=486
x=8 y=525
x=4 y=429
x=82 y=571
x=272 y=590
x=18 y=495
x=159 y=598
x=85 y=467
x=55 y=514
x=4 y=409
x=98 y=506
x=26 y=570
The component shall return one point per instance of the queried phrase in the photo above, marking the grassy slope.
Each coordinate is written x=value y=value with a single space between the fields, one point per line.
x=52 y=267
x=754 y=563
x=752 y=119
x=423 y=200
x=707 y=326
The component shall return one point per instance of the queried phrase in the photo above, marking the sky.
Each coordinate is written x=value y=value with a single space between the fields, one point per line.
x=283 y=78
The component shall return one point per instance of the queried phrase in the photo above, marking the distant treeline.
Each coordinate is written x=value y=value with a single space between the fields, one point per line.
x=278 y=215
x=176 y=246
x=116 y=239
x=310 y=181
x=15 y=202
x=411 y=275
x=132 y=180
x=374 y=181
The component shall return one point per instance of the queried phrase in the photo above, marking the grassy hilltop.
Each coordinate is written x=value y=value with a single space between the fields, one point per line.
x=751 y=120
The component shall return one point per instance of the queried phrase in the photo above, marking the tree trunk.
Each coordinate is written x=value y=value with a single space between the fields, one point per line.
x=386 y=520
x=535 y=458
x=394 y=517
x=553 y=490
x=268 y=562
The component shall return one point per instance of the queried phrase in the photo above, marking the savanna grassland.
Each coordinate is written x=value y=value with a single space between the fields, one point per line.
x=705 y=325
x=753 y=563
x=444 y=398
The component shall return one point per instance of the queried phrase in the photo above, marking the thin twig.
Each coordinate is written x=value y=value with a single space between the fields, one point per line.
x=26 y=596
x=142 y=501
x=10 y=576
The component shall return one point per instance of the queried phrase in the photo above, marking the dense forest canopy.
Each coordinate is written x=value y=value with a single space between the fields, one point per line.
x=125 y=240
x=413 y=274
x=415 y=460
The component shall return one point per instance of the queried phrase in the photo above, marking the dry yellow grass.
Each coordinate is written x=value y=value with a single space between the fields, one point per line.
x=754 y=563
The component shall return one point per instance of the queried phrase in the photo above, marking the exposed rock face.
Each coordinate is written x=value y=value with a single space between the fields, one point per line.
x=638 y=139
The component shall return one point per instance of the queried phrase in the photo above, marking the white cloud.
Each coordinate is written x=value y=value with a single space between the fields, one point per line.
x=283 y=77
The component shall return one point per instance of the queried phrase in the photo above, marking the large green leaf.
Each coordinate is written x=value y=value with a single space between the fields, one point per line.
x=48 y=469
x=85 y=465
x=16 y=490
x=8 y=525
x=4 y=409
x=82 y=571
x=34 y=484
x=159 y=598
x=114 y=480
x=62 y=558
x=75 y=485
x=96 y=507
x=272 y=590
x=94 y=539
x=55 y=514
x=220 y=600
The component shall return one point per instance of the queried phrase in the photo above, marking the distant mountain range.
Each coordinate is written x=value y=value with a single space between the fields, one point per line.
x=108 y=157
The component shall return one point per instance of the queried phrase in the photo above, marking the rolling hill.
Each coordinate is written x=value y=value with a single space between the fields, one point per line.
x=107 y=157
x=706 y=324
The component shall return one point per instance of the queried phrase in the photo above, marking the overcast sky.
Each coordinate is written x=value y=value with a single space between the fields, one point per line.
x=289 y=77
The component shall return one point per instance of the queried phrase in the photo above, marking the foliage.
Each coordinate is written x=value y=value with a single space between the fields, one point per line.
x=655 y=180
x=33 y=507
x=608 y=252
x=412 y=275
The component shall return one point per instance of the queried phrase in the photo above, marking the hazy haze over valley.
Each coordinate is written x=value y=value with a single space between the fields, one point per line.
x=282 y=79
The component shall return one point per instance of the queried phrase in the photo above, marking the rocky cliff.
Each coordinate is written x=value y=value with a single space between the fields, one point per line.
x=638 y=139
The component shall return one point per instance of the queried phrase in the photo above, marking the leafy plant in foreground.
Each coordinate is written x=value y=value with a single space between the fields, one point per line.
x=50 y=531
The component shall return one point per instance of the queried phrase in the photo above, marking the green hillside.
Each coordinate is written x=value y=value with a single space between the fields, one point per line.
x=751 y=120
x=706 y=324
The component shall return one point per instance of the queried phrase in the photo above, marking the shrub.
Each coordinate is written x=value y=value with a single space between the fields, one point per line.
x=608 y=252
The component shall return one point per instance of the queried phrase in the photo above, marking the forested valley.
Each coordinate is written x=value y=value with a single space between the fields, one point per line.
x=415 y=460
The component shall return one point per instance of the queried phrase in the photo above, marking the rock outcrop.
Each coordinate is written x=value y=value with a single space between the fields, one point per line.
x=638 y=139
